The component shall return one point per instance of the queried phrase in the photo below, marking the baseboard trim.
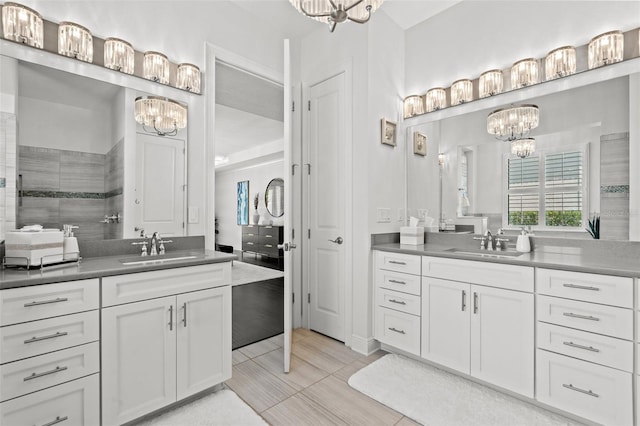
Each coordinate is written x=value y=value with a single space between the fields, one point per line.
x=365 y=346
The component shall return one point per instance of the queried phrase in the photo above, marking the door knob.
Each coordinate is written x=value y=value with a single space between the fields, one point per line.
x=338 y=240
x=286 y=246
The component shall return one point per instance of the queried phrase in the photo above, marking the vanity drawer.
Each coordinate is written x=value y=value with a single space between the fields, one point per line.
x=600 y=394
x=44 y=301
x=403 y=302
x=72 y=403
x=40 y=372
x=129 y=288
x=510 y=277
x=398 y=281
x=398 y=329
x=608 y=351
x=398 y=262
x=602 y=319
x=48 y=335
x=605 y=289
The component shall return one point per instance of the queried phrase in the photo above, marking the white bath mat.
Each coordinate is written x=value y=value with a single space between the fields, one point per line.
x=222 y=408
x=434 y=397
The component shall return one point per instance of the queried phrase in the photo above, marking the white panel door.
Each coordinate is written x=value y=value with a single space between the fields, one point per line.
x=502 y=338
x=204 y=340
x=138 y=359
x=445 y=322
x=160 y=184
x=326 y=217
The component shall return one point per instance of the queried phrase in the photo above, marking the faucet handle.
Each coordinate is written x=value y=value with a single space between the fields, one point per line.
x=482 y=241
x=499 y=243
x=144 y=247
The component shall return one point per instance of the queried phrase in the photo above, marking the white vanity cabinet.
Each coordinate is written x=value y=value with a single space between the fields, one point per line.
x=160 y=342
x=475 y=322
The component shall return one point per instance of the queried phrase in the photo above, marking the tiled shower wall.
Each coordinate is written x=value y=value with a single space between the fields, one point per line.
x=614 y=186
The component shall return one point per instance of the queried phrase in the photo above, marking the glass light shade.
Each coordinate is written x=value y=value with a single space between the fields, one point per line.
x=441 y=158
x=188 y=78
x=490 y=83
x=514 y=122
x=523 y=147
x=118 y=55
x=461 y=91
x=413 y=105
x=75 y=41
x=560 y=62
x=524 y=73
x=316 y=7
x=164 y=115
x=607 y=48
x=22 y=24
x=155 y=67
x=436 y=99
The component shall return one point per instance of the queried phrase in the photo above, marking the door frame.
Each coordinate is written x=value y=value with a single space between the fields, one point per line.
x=315 y=77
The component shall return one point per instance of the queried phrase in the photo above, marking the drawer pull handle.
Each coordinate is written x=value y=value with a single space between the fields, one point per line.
x=464 y=300
x=46 y=302
x=398 y=282
x=396 y=262
x=268 y=245
x=586 y=348
x=396 y=330
x=249 y=243
x=51 y=336
x=46 y=373
x=475 y=302
x=268 y=236
x=399 y=302
x=56 y=421
x=581 y=287
x=570 y=386
x=184 y=320
x=587 y=317
x=171 y=318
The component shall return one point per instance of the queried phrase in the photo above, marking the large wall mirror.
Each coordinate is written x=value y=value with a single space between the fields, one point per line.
x=580 y=168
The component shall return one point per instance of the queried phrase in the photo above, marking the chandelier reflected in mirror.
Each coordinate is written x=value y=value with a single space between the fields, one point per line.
x=163 y=115
x=523 y=147
x=515 y=122
x=334 y=12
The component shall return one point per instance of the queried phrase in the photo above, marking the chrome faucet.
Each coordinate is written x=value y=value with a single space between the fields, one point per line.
x=154 y=244
x=501 y=242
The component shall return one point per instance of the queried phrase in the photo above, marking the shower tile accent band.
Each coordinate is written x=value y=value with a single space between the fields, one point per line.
x=614 y=189
x=75 y=195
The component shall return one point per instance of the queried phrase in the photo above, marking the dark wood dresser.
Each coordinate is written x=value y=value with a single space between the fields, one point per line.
x=263 y=240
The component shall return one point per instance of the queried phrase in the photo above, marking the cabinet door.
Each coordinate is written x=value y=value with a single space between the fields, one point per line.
x=445 y=322
x=204 y=340
x=138 y=359
x=502 y=338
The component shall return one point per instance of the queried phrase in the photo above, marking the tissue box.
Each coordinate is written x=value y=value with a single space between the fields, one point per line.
x=412 y=235
x=26 y=248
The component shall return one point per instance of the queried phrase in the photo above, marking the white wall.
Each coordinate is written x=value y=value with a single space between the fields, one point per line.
x=226 y=201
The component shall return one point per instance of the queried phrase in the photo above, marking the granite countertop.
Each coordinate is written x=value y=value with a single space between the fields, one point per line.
x=549 y=256
x=104 y=266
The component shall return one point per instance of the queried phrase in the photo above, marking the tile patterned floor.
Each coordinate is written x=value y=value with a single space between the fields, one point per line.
x=315 y=391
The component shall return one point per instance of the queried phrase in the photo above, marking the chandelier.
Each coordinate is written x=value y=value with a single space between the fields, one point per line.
x=164 y=115
x=523 y=147
x=335 y=12
x=508 y=124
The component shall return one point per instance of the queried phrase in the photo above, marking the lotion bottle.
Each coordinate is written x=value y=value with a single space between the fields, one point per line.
x=523 y=244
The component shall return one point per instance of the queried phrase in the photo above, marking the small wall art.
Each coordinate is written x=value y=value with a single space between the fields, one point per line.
x=388 y=132
x=243 y=202
x=419 y=143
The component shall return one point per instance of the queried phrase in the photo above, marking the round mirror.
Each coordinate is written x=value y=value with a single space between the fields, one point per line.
x=274 y=197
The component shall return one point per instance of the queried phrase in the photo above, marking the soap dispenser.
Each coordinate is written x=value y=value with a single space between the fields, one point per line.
x=70 y=243
x=523 y=244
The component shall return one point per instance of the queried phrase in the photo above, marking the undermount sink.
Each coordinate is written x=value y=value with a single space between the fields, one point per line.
x=153 y=260
x=485 y=253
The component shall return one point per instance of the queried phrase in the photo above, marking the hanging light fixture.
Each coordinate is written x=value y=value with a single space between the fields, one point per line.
x=22 y=24
x=560 y=62
x=155 y=67
x=75 y=41
x=523 y=147
x=413 y=105
x=164 y=115
x=118 y=55
x=524 y=73
x=605 y=49
x=461 y=91
x=490 y=83
x=335 y=12
x=436 y=99
x=513 y=123
x=188 y=78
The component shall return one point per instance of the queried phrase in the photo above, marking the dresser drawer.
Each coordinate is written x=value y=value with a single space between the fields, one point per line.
x=40 y=372
x=510 y=277
x=398 y=281
x=129 y=288
x=270 y=248
x=270 y=233
x=608 y=351
x=250 y=229
x=250 y=245
x=600 y=394
x=72 y=403
x=605 y=289
x=38 y=337
x=602 y=319
x=403 y=302
x=398 y=329
x=406 y=263
x=44 y=301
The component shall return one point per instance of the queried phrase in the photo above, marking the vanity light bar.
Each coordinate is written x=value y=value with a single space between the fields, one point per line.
x=118 y=55
x=22 y=24
x=490 y=83
x=560 y=62
x=524 y=73
x=188 y=78
x=461 y=91
x=413 y=105
x=155 y=67
x=605 y=49
x=75 y=41
x=436 y=99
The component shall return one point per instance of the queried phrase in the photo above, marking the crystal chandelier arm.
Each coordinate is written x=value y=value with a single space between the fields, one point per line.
x=313 y=15
x=362 y=21
x=346 y=9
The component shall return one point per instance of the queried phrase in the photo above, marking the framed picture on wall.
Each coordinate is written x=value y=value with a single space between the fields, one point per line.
x=243 y=202
x=388 y=132
x=419 y=143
